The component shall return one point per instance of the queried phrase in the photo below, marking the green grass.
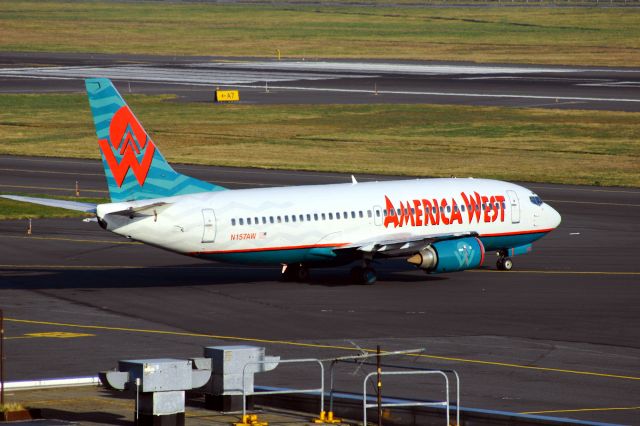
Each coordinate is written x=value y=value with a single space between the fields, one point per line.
x=586 y=36
x=10 y=209
x=542 y=145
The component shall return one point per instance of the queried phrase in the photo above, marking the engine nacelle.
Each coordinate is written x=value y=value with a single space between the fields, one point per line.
x=450 y=255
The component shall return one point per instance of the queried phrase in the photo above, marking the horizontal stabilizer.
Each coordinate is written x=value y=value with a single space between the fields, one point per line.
x=147 y=210
x=63 y=204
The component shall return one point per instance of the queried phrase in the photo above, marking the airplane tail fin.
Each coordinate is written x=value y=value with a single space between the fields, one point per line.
x=134 y=167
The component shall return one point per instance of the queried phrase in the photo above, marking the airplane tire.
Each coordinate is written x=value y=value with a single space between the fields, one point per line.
x=303 y=274
x=369 y=276
x=504 y=264
x=507 y=264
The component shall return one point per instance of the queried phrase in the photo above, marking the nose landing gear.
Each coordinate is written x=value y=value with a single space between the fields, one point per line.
x=504 y=262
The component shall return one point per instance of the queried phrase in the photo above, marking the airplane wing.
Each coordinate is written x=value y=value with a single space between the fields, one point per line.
x=401 y=244
x=63 y=204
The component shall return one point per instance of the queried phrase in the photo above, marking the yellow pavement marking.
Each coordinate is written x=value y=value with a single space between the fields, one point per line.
x=59 y=335
x=182 y=268
x=74 y=240
x=30 y=267
x=70 y=189
x=594 y=203
x=52 y=334
x=50 y=172
x=321 y=346
x=578 y=410
x=531 y=271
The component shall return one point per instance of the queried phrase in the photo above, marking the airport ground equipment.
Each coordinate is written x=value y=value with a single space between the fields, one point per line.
x=231 y=374
x=159 y=386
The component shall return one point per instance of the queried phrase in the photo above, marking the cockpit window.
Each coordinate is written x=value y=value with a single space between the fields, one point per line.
x=535 y=200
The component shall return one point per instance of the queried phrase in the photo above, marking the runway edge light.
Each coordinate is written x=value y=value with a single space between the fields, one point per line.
x=227 y=95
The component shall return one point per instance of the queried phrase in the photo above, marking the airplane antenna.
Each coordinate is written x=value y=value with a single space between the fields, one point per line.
x=353 y=179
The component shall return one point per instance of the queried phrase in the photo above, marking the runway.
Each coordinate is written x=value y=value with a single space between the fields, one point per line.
x=266 y=81
x=557 y=336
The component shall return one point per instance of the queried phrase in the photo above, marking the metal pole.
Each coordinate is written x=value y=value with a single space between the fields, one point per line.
x=137 y=398
x=379 y=386
x=1 y=358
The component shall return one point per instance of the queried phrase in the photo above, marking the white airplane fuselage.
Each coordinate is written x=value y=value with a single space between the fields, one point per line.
x=305 y=224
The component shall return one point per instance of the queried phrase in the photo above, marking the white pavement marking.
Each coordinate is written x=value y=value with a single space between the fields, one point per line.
x=387 y=68
x=168 y=75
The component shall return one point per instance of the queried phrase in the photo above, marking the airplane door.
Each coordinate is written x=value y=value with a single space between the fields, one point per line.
x=515 y=207
x=377 y=215
x=209 y=232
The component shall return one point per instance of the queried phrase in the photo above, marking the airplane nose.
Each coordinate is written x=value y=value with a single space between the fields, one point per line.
x=553 y=217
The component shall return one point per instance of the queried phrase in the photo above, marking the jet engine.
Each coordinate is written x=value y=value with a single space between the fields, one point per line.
x=450 y=255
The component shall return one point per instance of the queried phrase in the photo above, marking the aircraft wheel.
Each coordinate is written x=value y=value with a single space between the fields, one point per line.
x=369 y=276
x=505 y=264
x=303 y=274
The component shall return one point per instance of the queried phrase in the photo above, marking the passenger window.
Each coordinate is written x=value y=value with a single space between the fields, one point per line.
x=369 y=215
x=308 y=217
x=384 y=212
x=293 y=218
x=462 y=207
x=361 y=214
x=241 y=221
x=279 y=218
x=233 y=222
x=315 y=216
x=271 y=219
x=324 y=217
x=399 y=212
x=448 y=209
x=264 y=220
x=248 y=221
x=455 y=209
x=330 y=216
x=338 y=215
x=286 y=218
x=378 y=213
x=301 y=217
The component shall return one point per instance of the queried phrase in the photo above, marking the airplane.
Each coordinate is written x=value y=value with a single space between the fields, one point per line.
x=438 y=225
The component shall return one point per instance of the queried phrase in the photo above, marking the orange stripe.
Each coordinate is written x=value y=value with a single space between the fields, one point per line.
x=270 y=249
x=504 y=234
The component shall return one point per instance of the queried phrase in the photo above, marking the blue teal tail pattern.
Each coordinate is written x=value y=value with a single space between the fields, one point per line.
x=134 y=167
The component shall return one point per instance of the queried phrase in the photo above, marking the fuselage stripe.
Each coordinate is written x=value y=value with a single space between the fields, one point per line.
x=259 y=249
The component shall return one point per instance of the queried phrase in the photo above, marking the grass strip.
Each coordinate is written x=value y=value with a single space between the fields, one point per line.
x=10 y=209
x=522 y=144
x=579 y=36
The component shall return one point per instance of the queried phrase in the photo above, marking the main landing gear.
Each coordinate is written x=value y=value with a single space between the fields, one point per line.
x=504 y=262
x=364 y=273
x=295 y=272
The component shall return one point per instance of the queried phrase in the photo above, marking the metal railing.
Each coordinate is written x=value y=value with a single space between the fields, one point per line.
x=444 y=403
x=246 y=393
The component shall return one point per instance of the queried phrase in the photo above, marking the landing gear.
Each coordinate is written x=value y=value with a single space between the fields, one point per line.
x=504 y=263
x=295 y=272
x=363 y=275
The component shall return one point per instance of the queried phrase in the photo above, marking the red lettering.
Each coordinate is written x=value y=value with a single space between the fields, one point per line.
x=443 y=212
x=500 y=199
x=389 y=218
x=473 y=209
x=455 y=212
x=485 y=217
x=418 y=216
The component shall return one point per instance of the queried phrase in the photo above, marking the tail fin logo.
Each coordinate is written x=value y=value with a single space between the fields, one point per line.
x=128 y=147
